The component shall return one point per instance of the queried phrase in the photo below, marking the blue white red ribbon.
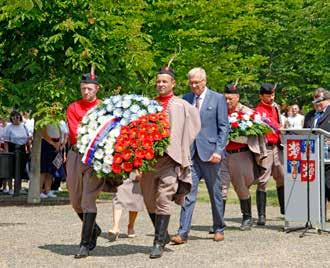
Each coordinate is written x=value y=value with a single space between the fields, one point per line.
x=101 y=133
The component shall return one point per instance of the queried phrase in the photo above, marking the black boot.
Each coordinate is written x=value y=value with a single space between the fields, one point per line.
x=96 y=233
x=261 y=206
x=211 y=231
x=247 y=214
x=280 y=196
x=86 y=235
x=153 y=219
x=161 y=234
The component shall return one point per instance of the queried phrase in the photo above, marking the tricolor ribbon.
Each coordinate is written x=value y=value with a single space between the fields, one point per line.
x=101 y=133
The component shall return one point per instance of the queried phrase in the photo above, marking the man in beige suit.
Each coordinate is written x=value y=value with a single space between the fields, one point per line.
x=171 y=178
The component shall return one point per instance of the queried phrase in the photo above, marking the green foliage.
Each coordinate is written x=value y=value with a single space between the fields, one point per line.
x=46 y=45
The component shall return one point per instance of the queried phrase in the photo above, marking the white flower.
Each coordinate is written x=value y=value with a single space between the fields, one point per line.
x=152 y=109
x=97 y=166
x=85 y=140
x=93 y=126
x=99 y=154
x=92 y=116
x=234 y=115
x=108 y=150
x=129 y=97
x=126 y=103
x=232 y=119
x=127 y=114
x=159 y=108
x=82 y=130
x=145 y=101
x=249 y=123
x=257 y=118
x=119 y=104
x=124 y=122
x=108 y=159
x=118 y=112
x=85 y=120
x=142 y=112
x=101 y=112
x=101 y=119
x=115 y=132
x=107 y=101
x=134 y=108
x=109 y=107
x=134 y=117
x=106 y=169
x=116 y=98
x=243 y=125
x=246 y=117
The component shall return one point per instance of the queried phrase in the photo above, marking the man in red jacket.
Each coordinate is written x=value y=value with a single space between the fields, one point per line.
x=82 y=184
x=274 y=160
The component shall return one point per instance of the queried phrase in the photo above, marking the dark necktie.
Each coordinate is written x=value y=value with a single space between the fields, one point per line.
x=317 y=117
x=198 y=102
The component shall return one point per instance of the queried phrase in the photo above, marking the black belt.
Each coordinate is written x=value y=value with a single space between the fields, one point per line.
x=240 y=150
x=271 y=145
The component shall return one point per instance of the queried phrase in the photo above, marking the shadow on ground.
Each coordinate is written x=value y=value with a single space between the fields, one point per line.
x=112 y=250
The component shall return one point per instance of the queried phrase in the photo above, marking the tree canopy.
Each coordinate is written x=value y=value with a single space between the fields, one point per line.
x=45 y=46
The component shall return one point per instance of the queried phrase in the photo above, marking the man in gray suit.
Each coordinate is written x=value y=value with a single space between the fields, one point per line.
x=207 y=151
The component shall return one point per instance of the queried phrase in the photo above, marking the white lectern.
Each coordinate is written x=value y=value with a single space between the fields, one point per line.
x=304 y=166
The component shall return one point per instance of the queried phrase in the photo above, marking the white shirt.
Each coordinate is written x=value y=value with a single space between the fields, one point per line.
x=29 y=123
x=201 y=98
x=295 y=121
x=17 y=134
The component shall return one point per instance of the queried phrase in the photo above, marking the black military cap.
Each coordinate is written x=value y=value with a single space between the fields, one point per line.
x=267 y=88
x=166 y=70
x=89 y=79
x=231 y=89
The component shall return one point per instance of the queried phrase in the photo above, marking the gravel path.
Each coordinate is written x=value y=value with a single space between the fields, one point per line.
x=47 y=236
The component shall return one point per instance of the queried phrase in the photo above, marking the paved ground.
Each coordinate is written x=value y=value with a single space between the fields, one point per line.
x=47 y=236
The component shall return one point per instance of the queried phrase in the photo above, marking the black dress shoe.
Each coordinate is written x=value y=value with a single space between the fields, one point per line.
x=157 y=251
x=82 y=253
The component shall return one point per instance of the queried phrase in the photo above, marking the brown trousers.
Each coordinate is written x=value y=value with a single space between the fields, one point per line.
x=274 y=167
x=238 y=169
x=159 y=186
x=83 y=186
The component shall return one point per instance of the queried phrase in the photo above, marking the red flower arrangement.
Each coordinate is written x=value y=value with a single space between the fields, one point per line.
x=140 y=142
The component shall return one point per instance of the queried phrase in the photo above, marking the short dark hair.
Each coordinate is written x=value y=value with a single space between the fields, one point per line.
x=14 y=114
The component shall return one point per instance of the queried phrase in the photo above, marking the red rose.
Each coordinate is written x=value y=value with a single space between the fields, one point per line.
x=128 y=167
x=153 y=117
x=124 y=130
x=149 y=154
x=133 y=133
x=147 y=143
x=116 y=168
x=126 y=155
x=156 y=136
x=137 y=162
x=142 y=135
x=165 y=133
x=133 y=144
x=139 y=154
x=234 y=125
x=117 y=159
x=119 y=147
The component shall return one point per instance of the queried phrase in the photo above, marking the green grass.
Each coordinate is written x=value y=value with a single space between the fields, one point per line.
x=203 y=195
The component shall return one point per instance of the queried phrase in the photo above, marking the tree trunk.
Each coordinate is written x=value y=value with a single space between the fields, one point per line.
x=34 y=186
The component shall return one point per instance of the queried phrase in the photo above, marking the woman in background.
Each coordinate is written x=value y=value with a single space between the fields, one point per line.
x=128 y=197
